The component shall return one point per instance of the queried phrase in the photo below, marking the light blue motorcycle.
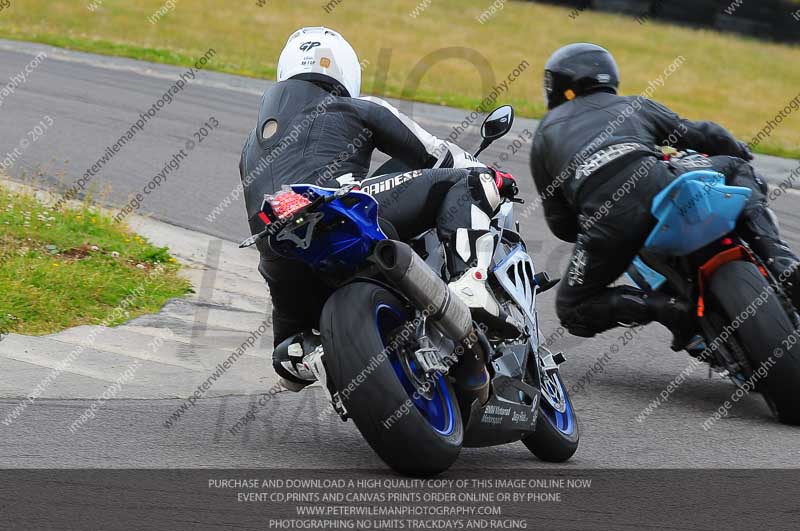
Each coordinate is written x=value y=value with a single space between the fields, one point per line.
x=746 y=323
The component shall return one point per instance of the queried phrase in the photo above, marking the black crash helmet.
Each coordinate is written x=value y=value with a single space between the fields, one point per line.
x=577 y=69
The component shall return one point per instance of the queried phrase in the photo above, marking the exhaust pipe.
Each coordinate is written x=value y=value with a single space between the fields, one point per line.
x=416 y=280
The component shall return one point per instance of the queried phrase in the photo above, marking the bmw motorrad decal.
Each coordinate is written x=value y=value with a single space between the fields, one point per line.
x=495 y=414
x=509 y=415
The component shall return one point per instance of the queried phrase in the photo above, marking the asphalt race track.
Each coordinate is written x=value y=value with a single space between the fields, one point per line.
x=93 y=100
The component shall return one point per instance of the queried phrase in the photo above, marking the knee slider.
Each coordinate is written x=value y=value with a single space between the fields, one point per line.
x=483 y=187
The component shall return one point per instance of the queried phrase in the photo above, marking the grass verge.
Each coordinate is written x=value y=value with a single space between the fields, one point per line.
x=740 y=82
x=75 y=267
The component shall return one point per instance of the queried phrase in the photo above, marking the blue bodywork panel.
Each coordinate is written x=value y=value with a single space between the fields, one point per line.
x=696 y=209
x=693 y=211
x=653 y=277
x=344 y=233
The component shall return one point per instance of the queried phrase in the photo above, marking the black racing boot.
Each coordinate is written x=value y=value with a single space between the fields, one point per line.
x=634 y=307
x=288 y=360
x=676 y=315
x=762 y=233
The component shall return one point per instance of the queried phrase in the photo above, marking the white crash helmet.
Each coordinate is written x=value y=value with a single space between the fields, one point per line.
x=321 y=54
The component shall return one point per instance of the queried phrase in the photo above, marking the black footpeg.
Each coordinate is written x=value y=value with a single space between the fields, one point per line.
x=544 y=282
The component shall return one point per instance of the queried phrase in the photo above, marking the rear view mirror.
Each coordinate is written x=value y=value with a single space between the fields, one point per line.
x=498 y=123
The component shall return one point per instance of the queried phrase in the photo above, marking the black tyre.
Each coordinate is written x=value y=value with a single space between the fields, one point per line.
x=764 y=335
x=557 y=432
x=413 y=435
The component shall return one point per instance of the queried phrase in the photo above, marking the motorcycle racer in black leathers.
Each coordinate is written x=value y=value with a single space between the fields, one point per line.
x=314 y=128
x=597 y=169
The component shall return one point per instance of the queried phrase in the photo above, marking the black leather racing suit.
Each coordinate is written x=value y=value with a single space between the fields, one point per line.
x=597 y=171
x=315 y=136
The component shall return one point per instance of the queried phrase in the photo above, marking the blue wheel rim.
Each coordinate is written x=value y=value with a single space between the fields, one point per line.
x=439 y=410
x=563 y=422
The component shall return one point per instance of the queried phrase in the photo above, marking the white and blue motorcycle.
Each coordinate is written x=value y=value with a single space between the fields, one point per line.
x=396 y=343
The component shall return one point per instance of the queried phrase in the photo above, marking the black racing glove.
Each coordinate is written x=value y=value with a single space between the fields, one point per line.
x=506 y=184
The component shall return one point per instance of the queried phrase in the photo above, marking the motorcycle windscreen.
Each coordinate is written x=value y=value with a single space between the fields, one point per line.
x=693 y=211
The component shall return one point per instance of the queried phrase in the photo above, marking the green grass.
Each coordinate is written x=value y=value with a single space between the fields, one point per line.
x=739 y=82
x=74 y=267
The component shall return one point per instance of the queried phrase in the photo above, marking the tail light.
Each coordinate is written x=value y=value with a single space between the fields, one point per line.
x=285 y=204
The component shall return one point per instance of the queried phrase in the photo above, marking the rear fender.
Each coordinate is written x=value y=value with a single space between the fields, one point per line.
x=338 y=236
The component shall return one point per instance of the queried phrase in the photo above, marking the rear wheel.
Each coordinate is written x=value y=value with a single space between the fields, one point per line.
x=765 y=332
x=369 y=342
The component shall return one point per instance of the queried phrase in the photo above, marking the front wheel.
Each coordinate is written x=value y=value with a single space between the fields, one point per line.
x=369 y=340
x=557 y=434
x=765 y=331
